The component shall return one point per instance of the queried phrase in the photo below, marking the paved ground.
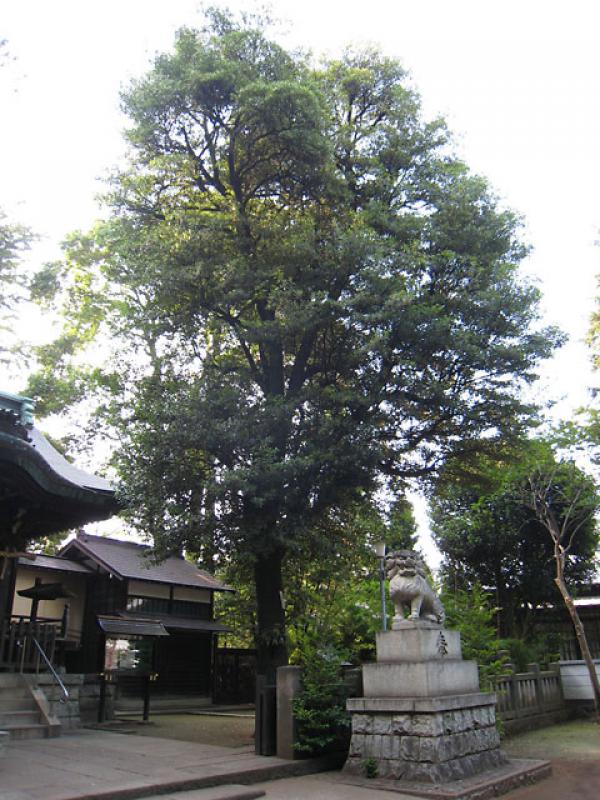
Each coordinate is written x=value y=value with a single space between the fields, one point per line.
x=94 y=764
x=90 y=764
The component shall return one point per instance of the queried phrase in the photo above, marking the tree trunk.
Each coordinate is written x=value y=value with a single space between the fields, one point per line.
x=579 y=632
x=271 y=643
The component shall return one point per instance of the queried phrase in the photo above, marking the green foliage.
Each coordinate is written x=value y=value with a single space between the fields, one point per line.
x=15 y=240
x=489 y=534
x=305 y=297
x=543 y=649
x=471 y=612
x=370 y=767
x=322 y=721
x=333 y=591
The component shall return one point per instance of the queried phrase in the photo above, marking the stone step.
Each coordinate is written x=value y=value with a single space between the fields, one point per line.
x=29 y=731
x=19 y=703
x=6 y=692
x=31 y=716
x=11 y=680
x=231 y=791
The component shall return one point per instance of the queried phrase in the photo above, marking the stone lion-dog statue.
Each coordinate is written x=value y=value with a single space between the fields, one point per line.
x=409 y=589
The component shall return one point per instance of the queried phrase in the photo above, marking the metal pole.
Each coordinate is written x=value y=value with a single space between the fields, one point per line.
x=382 y=586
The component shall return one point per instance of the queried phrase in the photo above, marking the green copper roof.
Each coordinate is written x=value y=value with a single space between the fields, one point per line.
x=19 y=405
x=40 y=491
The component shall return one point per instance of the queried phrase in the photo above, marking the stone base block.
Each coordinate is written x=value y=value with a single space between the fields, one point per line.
x=424 y=740
x=420 y=678
x=455 y=769
x=418 y=643
x=485 y=785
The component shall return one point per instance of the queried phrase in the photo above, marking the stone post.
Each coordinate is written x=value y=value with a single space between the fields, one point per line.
x=534 y=667
x=289 y=680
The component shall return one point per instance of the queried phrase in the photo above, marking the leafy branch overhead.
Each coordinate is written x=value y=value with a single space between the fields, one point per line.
x=307 y=295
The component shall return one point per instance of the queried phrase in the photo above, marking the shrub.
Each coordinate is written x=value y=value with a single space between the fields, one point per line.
x=323 y=724
x=471 y=613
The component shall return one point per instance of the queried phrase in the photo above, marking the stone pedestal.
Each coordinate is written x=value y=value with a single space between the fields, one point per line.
x=422 y=718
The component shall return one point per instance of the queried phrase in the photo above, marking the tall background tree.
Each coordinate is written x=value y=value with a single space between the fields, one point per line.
x=485 y=527
x=310 y=298
x=565 y=505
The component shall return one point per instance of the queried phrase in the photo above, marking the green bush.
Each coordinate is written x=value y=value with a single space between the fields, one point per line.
x=542 y=649
x=323 y=724
x=471 y=613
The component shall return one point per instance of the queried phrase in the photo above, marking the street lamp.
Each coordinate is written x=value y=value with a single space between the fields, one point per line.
x=379 y=548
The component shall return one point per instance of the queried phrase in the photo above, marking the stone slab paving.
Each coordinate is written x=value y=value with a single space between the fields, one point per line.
x=110 y=766
x=228 y=791
x=326 y=786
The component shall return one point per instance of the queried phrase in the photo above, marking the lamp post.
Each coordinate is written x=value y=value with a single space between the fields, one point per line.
x=379 y=548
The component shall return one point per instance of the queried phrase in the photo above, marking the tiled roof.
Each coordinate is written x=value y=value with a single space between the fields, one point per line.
x=131 y=627
x=52 y=562
x=173 y=623
x=67 y=471
x=130 y=560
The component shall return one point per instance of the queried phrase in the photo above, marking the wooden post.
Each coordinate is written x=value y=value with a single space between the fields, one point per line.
x=146 y=714
x=102 y=698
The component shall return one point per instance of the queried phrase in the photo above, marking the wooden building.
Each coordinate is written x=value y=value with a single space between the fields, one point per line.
x=100 y=605
x=126 y=616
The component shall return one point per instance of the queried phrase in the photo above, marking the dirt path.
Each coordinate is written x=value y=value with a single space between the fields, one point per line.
x=573 y=749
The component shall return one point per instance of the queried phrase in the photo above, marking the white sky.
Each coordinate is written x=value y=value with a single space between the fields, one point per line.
x=518 y=83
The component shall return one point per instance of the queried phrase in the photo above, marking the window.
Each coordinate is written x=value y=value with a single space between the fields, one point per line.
x=128 y=653
x=177 y=608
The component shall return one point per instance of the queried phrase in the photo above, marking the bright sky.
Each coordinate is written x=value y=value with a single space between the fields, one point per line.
x=518 y=83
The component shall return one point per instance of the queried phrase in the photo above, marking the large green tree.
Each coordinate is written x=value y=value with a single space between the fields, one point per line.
x=484 y=525
x=313 y=298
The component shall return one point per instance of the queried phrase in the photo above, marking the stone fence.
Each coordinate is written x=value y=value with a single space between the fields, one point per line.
x=529 y=700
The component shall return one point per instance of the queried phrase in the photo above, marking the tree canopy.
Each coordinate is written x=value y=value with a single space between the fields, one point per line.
x=308 y=295
x=15 y=240
x=486 y=529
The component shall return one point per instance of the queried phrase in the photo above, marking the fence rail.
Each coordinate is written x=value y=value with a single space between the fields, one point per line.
x=18 y=652
x=528 y=694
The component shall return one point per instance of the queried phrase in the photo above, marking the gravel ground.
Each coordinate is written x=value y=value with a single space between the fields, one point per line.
x=222 y=730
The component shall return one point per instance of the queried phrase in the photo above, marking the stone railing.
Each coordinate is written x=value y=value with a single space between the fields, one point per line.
x=528 y=700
